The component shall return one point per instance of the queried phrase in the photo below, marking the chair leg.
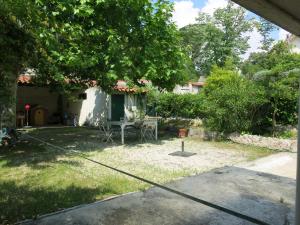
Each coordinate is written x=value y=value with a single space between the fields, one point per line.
x=147 y=134
x=109 y=138
x=143 y=135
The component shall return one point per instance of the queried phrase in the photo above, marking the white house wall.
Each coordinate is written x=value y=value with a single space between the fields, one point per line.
x=90 y=110
x=187 y=89
x=97 y=105
x=182 y=89
x=195 y=89
x=296 y=45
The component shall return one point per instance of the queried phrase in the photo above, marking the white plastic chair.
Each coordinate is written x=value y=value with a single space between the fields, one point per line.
x=106 y=132
x=148 y=131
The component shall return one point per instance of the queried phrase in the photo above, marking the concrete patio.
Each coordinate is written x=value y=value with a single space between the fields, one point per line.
x=242 y=190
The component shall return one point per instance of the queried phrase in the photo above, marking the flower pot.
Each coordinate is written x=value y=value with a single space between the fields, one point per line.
x=183 y=132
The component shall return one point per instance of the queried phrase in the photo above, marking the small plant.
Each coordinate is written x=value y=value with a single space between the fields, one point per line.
x=289 y=134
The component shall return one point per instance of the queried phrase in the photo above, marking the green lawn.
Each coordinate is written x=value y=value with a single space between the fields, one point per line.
x=36 y=179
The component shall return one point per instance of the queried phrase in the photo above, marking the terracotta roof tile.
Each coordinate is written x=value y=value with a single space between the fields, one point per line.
x=24 y=79
x=120 y=86
x=200 y=84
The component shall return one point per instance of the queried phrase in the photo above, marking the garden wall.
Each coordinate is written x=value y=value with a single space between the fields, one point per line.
x=268 y=142
x=194 y=126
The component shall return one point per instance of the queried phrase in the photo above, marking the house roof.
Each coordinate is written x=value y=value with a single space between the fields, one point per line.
x=121 y=85
x=24 y=79
x=199 y=83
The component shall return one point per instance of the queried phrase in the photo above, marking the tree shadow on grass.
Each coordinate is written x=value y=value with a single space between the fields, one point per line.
x=37 y=155
x=31 y=152
x=20 y=202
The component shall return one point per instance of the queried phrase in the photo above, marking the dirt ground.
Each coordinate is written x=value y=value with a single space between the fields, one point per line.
x=208 y=155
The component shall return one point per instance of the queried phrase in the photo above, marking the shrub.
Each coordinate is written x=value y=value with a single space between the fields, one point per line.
x=175 y=105
x=230 y=102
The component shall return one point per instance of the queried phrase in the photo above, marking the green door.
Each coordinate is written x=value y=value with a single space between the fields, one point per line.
x=117 y=107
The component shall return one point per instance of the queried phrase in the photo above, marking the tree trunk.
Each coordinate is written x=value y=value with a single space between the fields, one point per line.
x=274 y=122
x=8 y=102
x=13 y=105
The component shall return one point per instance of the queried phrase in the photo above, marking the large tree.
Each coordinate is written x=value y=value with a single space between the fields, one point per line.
x=278 y=72
x=111 y=40
x=214 y=39
x=265 y=28
x=17 y=50
x=82 y=40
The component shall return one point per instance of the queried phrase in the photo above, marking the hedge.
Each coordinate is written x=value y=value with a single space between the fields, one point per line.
x=174 y=105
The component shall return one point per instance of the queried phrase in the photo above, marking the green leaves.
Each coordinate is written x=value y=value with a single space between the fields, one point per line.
x=17 y=51
x=265 y=28
x=214 y=39
x=231 y=102
x=84 y=40
x=135 y=39
x=277 y=72
x=187 y=105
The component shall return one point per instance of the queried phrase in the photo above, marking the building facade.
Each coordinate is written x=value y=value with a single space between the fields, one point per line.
x=85 y=107
x=294 y=41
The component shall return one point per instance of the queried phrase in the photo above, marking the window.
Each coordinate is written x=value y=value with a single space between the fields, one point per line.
x=82 y=96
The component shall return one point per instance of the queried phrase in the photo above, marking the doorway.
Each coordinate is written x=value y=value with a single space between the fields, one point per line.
x=117 y=107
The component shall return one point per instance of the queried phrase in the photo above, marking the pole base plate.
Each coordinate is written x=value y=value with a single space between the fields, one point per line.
x=182 y=154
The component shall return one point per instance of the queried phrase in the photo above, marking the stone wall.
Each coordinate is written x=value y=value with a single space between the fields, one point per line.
x=196 y=130
x=200 y=132
x=268 y=142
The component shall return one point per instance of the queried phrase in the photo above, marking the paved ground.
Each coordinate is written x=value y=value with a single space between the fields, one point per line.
x=267 y=197
x=281 y=164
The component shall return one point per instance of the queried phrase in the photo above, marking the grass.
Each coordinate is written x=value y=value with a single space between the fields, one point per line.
x=251 y=152
x=36 y=179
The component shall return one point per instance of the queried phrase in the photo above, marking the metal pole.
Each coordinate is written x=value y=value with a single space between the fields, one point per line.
x=27 y=117
x=297 y=210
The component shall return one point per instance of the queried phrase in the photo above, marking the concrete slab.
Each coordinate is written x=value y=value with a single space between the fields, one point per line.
x=281 y=164
x=266 y=197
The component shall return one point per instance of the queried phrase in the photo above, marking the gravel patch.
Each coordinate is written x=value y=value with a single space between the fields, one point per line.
x=207 y=155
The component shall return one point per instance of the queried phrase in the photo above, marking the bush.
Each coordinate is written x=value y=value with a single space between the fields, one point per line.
x=174 y=105
x=230 y=102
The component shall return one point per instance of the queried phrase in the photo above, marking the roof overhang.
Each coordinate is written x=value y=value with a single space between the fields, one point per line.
x=121 y=86
x=284 y=13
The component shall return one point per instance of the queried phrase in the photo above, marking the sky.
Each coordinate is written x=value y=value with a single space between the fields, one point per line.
x=186 y=11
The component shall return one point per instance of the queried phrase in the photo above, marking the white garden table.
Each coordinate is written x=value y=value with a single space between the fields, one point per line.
x=124 y=124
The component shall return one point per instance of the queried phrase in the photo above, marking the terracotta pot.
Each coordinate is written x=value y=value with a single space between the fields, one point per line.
x=183 y=132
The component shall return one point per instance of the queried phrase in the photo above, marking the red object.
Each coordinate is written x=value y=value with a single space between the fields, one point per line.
x=27 y=107
x=182 y=133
